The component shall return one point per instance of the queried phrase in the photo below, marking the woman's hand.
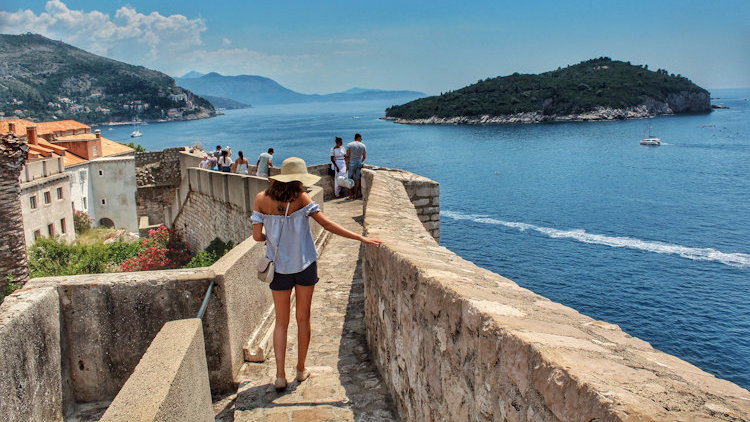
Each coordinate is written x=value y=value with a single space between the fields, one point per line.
x=371 y=241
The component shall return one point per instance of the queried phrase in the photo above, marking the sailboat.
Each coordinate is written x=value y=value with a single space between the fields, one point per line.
x=136 y=133
x=651 y=141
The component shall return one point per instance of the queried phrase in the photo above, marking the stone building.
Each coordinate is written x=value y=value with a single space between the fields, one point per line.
x=85 y=154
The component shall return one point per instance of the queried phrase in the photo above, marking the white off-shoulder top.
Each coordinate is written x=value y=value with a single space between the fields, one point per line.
x=296 y=247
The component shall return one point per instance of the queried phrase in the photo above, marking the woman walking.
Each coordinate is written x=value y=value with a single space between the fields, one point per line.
x=240 y=164
x=284 y=210
x=338 y=164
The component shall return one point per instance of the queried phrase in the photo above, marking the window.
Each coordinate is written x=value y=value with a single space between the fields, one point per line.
x=101 y=173
x=47 y=197
x=32 y=202
x=37 y=234
x=59 y=193
x=51 y=230
x=84 y=203
x=62 y=226
x=104 y=201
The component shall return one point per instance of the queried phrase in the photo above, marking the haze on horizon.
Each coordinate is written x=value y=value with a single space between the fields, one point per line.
x=330 y=46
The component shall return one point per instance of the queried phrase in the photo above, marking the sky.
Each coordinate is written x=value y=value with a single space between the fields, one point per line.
x=326 y=46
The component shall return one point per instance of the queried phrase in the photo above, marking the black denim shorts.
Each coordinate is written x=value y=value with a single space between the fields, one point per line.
x=306 y=277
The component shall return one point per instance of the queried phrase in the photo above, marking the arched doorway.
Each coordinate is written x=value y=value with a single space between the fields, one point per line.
x=106 y=222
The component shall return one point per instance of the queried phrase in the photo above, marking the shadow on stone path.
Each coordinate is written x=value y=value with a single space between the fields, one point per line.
x=344 y=384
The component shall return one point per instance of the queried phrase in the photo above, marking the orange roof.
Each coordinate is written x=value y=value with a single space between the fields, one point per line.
x=79 y=137
x=21 y=126
x=114 y=148
x=72 y=159
x=57 y=148
x=44 y=128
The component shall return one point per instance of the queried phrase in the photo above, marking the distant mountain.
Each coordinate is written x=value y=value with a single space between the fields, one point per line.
x=192 y=74
x=44 y=79
x=225 y=103
x=259 y=90
x=597 y=89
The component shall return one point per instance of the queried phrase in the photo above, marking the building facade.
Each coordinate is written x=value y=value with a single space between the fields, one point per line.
x=45 y=200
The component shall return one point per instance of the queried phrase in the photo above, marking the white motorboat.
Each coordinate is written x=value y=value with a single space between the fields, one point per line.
x=136 y=133
x=650 y=141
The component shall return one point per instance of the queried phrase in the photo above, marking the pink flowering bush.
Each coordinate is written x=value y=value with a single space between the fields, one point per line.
x=162 y=249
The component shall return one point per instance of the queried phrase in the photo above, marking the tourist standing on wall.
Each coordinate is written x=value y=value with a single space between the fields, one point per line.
x=240 y=165
x=356 y=152
x=264 y=163
x=284 y=210
x=204 y=163
x=225 y=163
x=213 y=163
x=217 y=152
x=338 y=164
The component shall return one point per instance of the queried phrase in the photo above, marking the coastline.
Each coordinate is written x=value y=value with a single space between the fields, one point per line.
x=598 y=114
x=198 y=116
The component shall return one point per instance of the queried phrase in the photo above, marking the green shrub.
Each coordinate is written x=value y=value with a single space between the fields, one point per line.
x=218 y=247
x=81 y=221
x=202 y=259
x=8 y=287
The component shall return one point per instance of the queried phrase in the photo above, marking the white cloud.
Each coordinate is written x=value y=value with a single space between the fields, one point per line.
x=99 y=33
x=226 y=41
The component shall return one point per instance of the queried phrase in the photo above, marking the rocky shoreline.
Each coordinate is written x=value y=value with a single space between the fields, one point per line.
x=598 y=114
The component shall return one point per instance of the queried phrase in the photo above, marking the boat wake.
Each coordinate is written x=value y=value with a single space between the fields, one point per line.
x=739 y=260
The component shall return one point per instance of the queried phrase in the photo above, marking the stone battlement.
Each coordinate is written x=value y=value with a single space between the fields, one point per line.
x=456 y=342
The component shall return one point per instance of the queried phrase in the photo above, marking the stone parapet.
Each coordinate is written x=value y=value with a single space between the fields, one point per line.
x=30 y=364
x=456 y=342
x=423 y=193
x=170 y=381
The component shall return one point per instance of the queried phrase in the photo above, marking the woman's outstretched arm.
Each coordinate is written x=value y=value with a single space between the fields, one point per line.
x=336 y=229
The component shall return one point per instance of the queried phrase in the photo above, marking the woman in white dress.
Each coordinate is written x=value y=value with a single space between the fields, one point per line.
x=338 y=164
x=240 y=164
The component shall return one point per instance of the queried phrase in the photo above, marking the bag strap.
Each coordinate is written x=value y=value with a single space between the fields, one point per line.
x=283 y=223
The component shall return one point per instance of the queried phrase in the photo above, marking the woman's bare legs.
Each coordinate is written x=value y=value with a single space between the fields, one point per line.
x=281 y=303
x=304 y=299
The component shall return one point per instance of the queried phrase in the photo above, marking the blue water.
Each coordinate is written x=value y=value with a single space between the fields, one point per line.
x=654 y=239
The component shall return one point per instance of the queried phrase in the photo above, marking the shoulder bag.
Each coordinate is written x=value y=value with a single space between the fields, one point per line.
x=266 y=266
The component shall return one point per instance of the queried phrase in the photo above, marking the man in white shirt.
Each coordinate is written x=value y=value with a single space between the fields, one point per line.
x=356 y=152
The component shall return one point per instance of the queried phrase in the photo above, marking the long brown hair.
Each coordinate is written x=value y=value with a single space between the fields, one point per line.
x=284 y=192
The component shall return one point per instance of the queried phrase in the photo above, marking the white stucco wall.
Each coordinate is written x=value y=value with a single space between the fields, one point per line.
x=112 y=180
x=43 y=215
x=79 y=187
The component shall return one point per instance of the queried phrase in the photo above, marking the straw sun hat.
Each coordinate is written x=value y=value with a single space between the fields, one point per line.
x=295 y=169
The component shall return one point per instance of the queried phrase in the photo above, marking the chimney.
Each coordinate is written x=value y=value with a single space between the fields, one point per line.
x=31 y=134
x=12 y=127
x=98 y=134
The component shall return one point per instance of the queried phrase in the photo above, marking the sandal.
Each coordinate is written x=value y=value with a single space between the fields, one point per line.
x=280 y=384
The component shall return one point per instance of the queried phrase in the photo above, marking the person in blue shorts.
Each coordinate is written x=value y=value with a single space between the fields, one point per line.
x=356 y=152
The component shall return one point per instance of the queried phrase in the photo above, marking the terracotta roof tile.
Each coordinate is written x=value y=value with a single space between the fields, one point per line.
x=44 y=128
x=114 y=148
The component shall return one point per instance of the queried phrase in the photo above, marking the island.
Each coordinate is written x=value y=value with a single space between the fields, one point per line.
x=596 y=89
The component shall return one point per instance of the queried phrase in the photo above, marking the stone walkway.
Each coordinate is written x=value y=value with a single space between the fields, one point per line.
x=344 y=384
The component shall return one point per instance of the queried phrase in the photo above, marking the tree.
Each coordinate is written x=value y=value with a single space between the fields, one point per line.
x=14 y=264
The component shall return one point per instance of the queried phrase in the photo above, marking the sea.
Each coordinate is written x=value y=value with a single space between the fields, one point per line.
x=653 y=239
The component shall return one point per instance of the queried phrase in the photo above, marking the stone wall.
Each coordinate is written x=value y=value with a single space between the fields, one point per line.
x=160 y=176
x=30 y=377
x=457 y=342
x=220 y=205
x=170 y=382
x=423 y=193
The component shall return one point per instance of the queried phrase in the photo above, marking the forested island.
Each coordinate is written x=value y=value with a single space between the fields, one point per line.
x=597 y=89
x=43 y=79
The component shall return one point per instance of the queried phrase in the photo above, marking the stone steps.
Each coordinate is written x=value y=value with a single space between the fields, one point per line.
x=344 y=384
